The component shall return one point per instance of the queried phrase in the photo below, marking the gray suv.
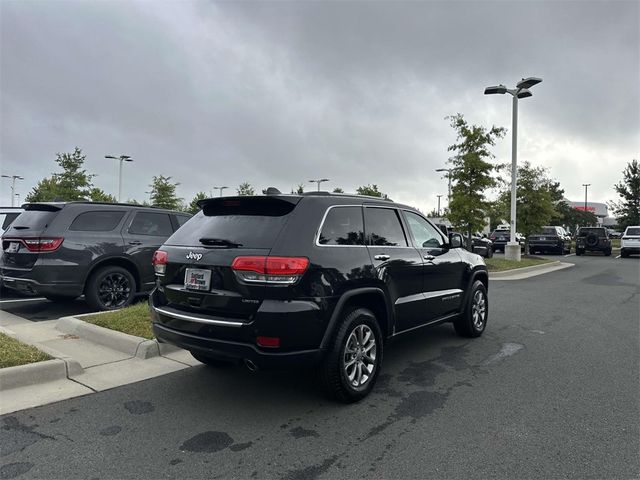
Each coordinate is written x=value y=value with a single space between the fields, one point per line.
x=101 y=250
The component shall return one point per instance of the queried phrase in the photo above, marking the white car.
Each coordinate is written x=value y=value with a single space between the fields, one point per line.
x=7 y=216
x=630 y=242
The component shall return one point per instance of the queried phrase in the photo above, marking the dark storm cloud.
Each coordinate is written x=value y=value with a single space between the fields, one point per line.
x=277 y=93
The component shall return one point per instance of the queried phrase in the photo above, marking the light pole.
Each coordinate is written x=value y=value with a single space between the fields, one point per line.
x=449 y=172
x=13 y=185
x=586 y=186
x=220 y=188
x=439 y=205
x=319 y=181
x=122 y=158
x=512 y=250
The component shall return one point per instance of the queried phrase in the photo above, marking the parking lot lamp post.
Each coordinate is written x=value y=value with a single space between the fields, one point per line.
x=586 y=186
x=319 y=181
x=439 y=205
x=220 y=188
x=122 y=158
x=13 y=185
x=512 y=249
x=448 y=170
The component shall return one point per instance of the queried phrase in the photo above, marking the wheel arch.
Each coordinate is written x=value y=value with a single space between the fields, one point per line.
x=483 y=276
x=368 y=297
x=117 y=262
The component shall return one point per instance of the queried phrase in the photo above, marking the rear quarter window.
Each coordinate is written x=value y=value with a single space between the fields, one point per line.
x=342 y=226
x=96 y=221
x=151 y=223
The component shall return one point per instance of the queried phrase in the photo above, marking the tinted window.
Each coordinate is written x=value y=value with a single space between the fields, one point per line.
x=252 y=222
x=424 y=234
x=147 y=223
x=182 y=219
x=343 y=226
x=8 y=219
x=549 y=231
x=97 y=221
x=33 y=221
x=586 y=231
x=383 y=227
x=632 y=231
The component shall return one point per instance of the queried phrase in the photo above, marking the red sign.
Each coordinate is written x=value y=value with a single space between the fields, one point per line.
x=588 y=209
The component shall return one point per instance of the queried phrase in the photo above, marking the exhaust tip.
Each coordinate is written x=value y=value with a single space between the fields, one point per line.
x=252 y=367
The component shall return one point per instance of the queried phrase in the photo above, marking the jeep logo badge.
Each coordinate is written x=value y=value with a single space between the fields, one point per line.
x=194 y=256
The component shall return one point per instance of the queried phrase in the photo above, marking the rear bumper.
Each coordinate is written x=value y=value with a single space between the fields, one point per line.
x=630 y=250
x=31 y=286
x=236 y=351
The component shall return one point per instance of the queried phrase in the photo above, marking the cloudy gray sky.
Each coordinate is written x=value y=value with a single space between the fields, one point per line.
x=276 y=93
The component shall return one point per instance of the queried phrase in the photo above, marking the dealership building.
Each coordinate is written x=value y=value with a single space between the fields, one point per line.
x=598 y=209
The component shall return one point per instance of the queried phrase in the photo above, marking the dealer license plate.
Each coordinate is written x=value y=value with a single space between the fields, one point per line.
x=197 y=279
x=13 y=247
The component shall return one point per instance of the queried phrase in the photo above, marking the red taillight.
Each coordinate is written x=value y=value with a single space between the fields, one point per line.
x=270 y=342
x=160 y=259
x=492 y=237
x=39 y=244
x=271 y=270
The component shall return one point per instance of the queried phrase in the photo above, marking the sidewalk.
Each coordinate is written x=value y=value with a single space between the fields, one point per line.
x=528 y=272
x=83 y=364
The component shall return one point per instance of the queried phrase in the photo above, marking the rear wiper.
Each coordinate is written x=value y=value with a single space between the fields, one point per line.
x=17 y=227
x=219 y=242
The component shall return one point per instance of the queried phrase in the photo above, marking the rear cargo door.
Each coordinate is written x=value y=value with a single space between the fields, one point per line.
x=22 y=239
x=199 y=275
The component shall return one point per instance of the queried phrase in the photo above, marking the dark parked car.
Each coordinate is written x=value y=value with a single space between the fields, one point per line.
x=550 y=239
x=311 y=280
x=481 y=245
x=500 y=238
x=101 y=250
x=593 y=239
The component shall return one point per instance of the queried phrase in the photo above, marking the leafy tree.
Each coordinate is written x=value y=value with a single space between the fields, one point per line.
x=370 y=190
x=73 y=183
x=193 y=207
x=535 y=194
x=163 y=193
x=338 y=190
x=133 y=201
x=471 y=174
x=298 y=190
x=627 y=210
x=99 y=195
x=245 y=189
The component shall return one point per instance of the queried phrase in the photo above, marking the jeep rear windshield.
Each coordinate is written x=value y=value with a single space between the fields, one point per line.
x=35 y=219
x=236 y=222
x=548 y=231
x=586 y=231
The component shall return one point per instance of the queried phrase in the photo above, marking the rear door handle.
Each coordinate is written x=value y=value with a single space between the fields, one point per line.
x=382 y=257
x=429 y=257
x=135 y=242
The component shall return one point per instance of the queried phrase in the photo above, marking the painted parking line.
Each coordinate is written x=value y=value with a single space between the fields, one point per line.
x=569 y=255
x=22 y=300
x=619 y=256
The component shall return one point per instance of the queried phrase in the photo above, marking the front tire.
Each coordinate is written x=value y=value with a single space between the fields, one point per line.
x=354 y=358
x=110 y=288
x=473 y=320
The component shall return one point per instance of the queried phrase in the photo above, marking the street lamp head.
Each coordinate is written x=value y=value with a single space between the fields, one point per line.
x=111 y=156
x=126 y=158
x=524 y=93
x=442 y=169
x=528 y=82
x=496 y=89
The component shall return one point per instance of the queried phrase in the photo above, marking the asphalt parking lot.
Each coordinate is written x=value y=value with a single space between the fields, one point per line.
x=550 y=391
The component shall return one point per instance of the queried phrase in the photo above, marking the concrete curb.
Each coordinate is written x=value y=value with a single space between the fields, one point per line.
x=32 y=374
x=123 y=342
x=527 y=272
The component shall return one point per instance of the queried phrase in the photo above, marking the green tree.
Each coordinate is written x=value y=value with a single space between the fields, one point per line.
x=370 y=190
x=73 y=183
x=298 y=190
x=163 y=193
x=535 y=194
x=99 y=195
x=193 y=206
x=338 y=190
x=627 y=210
x=472 y=174
x=245 y=189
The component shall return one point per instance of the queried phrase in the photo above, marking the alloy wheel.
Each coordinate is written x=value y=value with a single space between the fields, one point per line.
x=114 y=290
x=479 y=310
x=359 y=359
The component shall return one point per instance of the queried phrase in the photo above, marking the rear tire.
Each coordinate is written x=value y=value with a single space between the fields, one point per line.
x=473 y=320
x=579 y=252
x=354 y=358
x=211 y=362
x=110 y=288
x=607 y=253
x=624 y=253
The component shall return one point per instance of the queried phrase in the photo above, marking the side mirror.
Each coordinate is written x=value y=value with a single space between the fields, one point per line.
x=455 y=240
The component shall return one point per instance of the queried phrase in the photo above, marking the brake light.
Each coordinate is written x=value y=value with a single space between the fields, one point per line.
x=269 y=342
x=492 y=237
x=38 y=244
x=270 y=270
x=160 y=259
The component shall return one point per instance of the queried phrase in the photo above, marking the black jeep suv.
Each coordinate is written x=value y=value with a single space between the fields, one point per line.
x=550 y=239
x=101 y=250
x=593 y=239
x=312 y=279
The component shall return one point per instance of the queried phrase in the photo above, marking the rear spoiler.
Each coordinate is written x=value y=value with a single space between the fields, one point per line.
x=44 y=207
x=269 y=205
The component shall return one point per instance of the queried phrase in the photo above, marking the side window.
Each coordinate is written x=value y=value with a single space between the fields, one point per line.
x=96 y=221
x=383 y=227
x=148 y=223
x=8 y=219
x=342 y=226
x=182 y=219
x=425 y=235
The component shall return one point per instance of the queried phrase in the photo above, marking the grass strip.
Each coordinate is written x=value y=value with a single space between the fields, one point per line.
x=133 y=320
x=13 y=353
x=500 y=264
